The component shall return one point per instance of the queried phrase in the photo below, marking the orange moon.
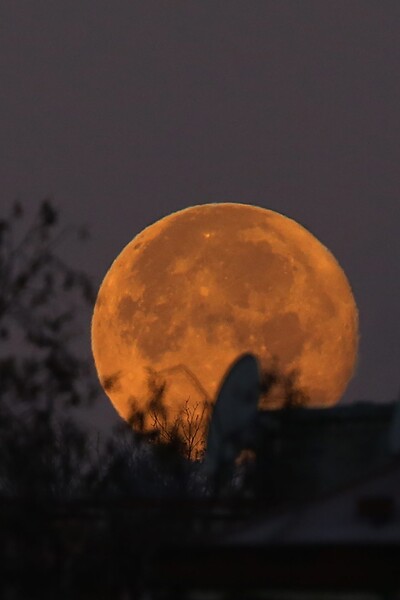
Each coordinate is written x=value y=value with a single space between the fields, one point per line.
x=203 y=285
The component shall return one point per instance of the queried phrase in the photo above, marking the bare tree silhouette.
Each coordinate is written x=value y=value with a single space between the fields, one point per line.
x=282 y=387
x=182 y=427
x=192 y=428
x=186 y=431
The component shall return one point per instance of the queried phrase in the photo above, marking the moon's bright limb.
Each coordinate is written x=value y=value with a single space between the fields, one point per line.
x=203 y=285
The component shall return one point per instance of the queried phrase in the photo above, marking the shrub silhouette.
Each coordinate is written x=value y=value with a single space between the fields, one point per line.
x=44 y=378
x=41 y=372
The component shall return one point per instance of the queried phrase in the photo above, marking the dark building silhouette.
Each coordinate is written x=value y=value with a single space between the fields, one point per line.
x=324 y=520
x=302 y=453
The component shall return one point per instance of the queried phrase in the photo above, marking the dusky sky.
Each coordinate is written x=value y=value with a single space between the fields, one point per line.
x=126 y=111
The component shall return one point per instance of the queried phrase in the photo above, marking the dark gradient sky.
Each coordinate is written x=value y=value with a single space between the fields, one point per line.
x=126 y=111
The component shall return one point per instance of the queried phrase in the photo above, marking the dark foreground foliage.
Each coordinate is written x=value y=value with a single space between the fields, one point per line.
x=81 y=515
x=45 y=453
x=76 y=514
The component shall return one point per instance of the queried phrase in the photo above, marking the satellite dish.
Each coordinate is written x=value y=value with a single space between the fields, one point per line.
x=234 y=413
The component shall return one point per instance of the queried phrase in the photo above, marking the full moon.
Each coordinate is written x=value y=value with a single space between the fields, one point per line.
x=201 y=286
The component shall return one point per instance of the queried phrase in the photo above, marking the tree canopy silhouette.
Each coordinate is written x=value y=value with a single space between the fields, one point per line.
x=42 y=371
x=44 y=377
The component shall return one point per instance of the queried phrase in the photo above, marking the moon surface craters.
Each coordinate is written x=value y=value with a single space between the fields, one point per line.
x=203 y=285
